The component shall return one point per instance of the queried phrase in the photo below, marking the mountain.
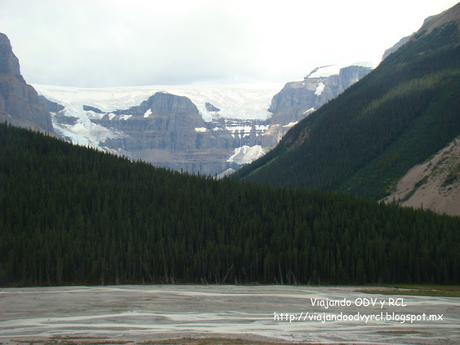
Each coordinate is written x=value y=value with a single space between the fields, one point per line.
x=19 y=102
x=75 y=215
x=434 y=184
x=395 y=47
x=297 y=99
x=220 y=129
x=398 y=116
x=199 y=129
x=168 y=130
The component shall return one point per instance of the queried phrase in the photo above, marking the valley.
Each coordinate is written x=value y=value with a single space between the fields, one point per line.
x=221 y=129
x=223 y=173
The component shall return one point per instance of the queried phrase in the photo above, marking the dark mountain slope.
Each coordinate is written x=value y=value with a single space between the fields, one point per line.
x=71 y=215
x=366 y=139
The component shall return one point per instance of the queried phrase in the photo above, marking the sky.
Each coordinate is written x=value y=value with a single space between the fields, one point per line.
x=101 y=43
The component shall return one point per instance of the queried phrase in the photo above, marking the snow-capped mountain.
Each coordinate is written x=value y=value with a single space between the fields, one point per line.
x=126 y=120
x=206 y=129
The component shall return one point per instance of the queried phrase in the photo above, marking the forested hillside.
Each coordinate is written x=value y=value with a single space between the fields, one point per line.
x=72 y=215
x=365 y=140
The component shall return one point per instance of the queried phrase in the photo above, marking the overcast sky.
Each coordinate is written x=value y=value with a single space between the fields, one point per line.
x=95 y=43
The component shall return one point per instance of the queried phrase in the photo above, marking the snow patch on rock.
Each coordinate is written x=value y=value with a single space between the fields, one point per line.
x=148 y=113
x=291 y=124
x=246 y=154
x=319 y=89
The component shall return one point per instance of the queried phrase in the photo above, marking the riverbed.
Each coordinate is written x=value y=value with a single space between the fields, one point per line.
x=145 y=313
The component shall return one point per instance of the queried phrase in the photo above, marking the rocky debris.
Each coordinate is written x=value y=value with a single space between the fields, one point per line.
x=433 y=185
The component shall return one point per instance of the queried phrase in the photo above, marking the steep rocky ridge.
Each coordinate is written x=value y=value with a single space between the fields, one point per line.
x=19 y=102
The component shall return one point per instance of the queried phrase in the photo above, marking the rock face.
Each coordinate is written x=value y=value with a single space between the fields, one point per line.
x=19 y=102
x=169 y=131
x=170 y=122
x=298 y=99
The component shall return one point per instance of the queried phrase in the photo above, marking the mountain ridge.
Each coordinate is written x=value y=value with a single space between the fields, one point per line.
x=125 y=121
x=19 y=102
x=362 y=142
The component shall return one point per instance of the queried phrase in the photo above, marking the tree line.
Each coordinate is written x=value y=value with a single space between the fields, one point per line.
x=73 y=215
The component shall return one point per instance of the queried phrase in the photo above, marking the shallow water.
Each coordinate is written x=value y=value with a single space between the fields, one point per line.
x=143 y=312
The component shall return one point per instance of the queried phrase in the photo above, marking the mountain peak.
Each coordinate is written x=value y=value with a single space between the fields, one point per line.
x=9 y=63
x=451 y=15
x=19 y=102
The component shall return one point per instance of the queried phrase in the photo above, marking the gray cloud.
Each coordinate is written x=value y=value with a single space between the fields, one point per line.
x=138 y=42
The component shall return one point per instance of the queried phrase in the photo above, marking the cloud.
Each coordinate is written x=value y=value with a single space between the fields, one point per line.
x=138 y=42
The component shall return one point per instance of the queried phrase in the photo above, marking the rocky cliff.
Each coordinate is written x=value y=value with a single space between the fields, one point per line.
x=297 y=99
x=19 y=102
x=169 y=131
x=169 y=122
